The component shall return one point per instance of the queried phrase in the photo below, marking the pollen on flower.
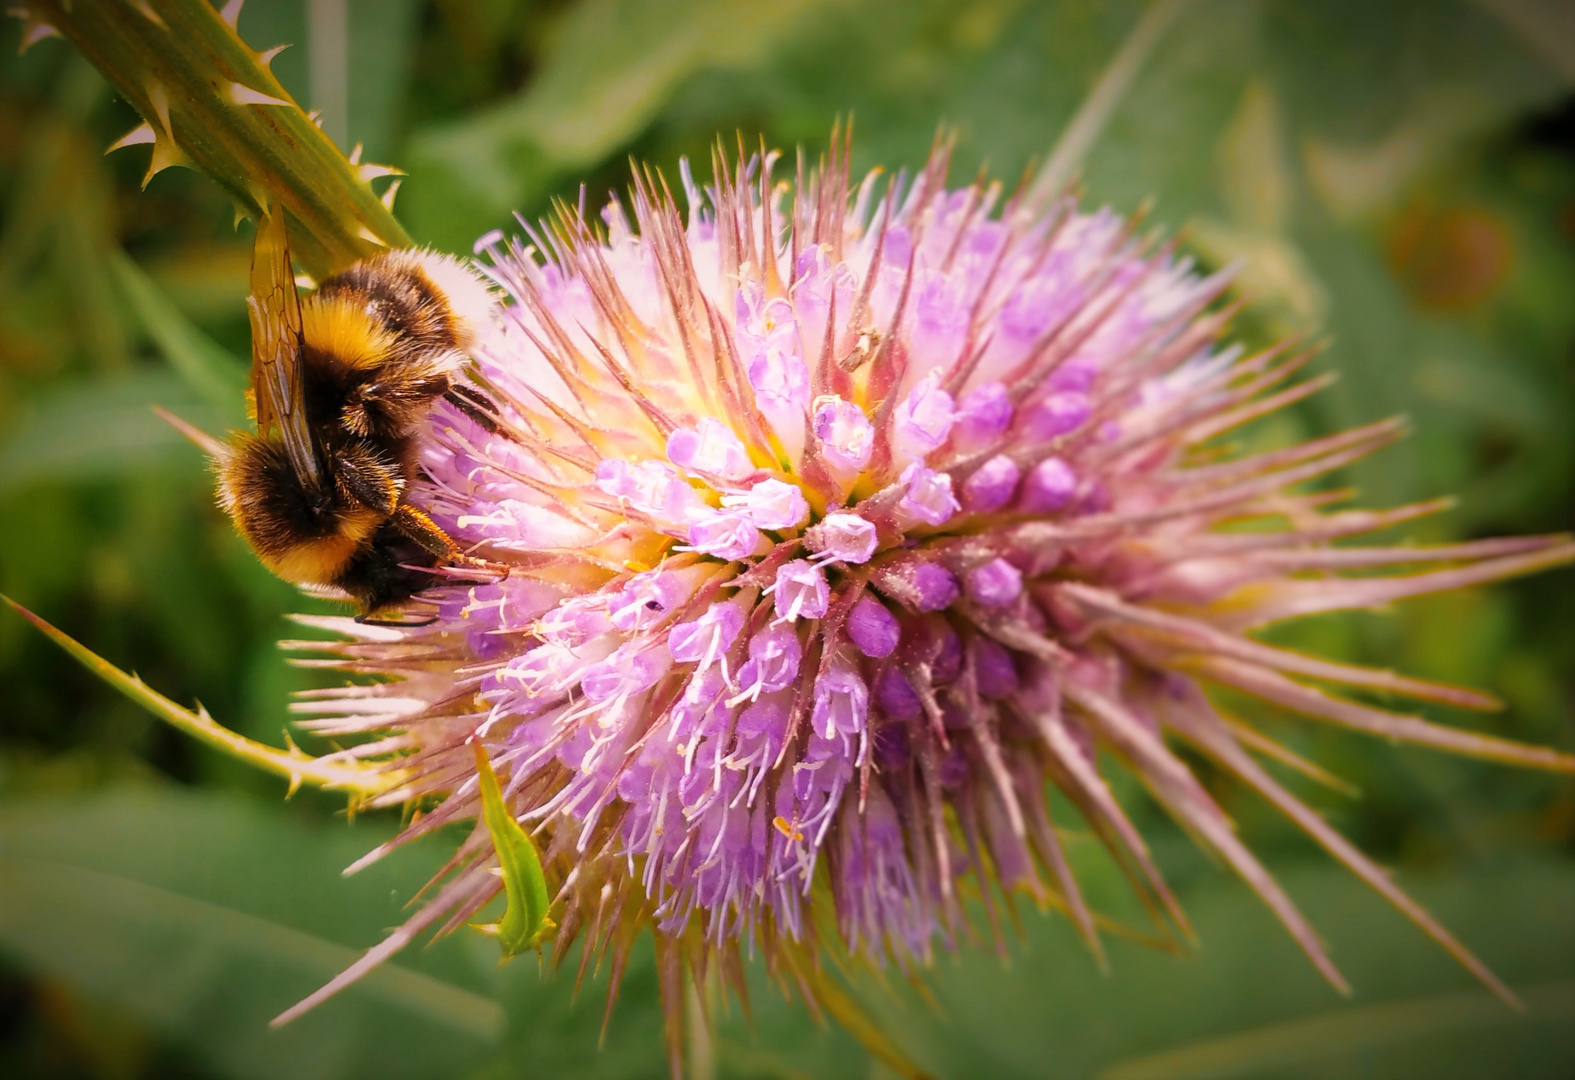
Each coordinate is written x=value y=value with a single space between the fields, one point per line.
x=846 y=523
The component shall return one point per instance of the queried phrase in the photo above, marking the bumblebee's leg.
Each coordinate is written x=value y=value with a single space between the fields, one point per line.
x=372 y=619
x=367 y=478
x=474 y=404
x=424 y=531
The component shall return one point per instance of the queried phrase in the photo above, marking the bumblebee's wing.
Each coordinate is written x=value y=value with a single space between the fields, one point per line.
x=276 y=348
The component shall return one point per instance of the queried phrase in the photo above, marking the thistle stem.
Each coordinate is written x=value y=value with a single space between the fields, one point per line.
x=360 y=779
x=210 y=102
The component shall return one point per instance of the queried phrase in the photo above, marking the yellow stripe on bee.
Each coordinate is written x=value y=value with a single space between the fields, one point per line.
x=319 y=561
x=341 y=327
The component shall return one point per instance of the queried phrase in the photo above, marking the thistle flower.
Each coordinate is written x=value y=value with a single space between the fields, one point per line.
x=842 y=523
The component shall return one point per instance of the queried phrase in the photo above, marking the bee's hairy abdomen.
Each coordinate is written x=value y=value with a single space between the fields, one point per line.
x=300 y=535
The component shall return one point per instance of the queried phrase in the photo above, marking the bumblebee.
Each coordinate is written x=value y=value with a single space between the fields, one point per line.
x=341 y=382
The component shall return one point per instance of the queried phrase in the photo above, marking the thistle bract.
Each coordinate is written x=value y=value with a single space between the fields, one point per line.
x=842 y=522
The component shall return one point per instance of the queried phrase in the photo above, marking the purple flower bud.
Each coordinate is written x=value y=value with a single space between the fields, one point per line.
x=993 y=670
x=713 y=448
x=1075 y=375
x=707 y=637
x=953 y=716
x=896 y=697
x=725 y=535
x=1048 y=487
x=1056 y=415
x=954 y=768
x=935 y=585
x=983 y=416
x=872 y=628
x=994 y=584
x=893 y=747
x=842 y=701
x=845 y=538
x=917 y=584
x=922 y=422
x=801 y=591
x=846 y=436
x=992 y=485
x=929 y=495
x=770 y=504
x=947 y=664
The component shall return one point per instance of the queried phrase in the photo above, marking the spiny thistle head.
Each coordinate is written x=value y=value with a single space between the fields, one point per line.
x=842 y=523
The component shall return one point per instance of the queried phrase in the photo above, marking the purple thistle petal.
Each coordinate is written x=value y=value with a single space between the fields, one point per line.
x=801 y=591
x=774 y=655
x=846 y=436
x=845 y=538
x=923 y=421
x=725 y=535
x=770 y=504
x=928 y=496
x=712 y=448
x=841 y=701
x=708 y=637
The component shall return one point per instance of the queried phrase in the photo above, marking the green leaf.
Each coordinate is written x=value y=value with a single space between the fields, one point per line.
x=203 y=915
x=1344 y=1032
x=106 y=426
x=609 y=69
x=524 y=921
x=1246 y=1005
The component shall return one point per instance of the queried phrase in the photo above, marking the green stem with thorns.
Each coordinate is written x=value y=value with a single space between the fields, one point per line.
x=361 y=780
x=210 y=102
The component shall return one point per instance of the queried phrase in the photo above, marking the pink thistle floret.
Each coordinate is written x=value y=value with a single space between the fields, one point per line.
x=843 y=524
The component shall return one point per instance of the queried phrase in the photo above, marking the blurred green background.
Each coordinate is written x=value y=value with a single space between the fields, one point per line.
x=1399 y=176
